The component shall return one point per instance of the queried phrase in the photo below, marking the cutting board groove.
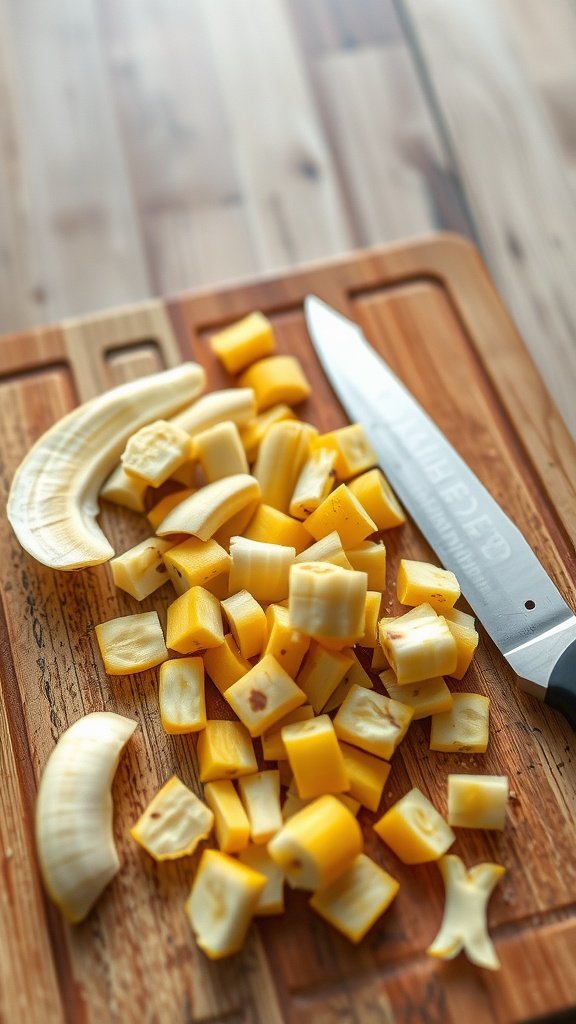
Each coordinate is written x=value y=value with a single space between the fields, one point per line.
x=430 y=309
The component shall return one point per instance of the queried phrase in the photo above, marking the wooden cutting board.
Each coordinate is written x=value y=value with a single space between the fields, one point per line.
x=430 y=309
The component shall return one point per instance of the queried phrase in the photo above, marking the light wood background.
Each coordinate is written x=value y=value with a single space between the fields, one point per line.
x=151 y=146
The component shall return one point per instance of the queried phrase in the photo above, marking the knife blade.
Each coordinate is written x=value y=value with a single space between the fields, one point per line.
x=499 y=574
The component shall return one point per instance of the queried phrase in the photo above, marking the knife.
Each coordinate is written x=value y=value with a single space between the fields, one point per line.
x=498 y=572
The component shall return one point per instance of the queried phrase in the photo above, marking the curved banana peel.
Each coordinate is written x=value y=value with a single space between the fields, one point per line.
x=74 y=835
x=53 y=501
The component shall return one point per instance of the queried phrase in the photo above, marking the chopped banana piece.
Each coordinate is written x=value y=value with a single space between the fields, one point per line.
x=370 y=557
x=354 y=453
x=186 y=473
x=349 y=802
x=321 y=673
x=327 y=549
x=260 y=794
x=224 y=897
x=224 y=664
x=236 y=525
x=155 y=451
x=160 y=510
x=327 y=602
x=194 y=563
x=276 y=379
x=369 y=637
x=461 y=625
x=174 y=822
x=465 y=727
x=270 y=525
x=414 y=829
x=317 y=844
x=181 y=695
x=131 y=643
x=194 y=622
x=236 y=404
x=262 y=569
x=418 y=645
x=377 y=497
x=314 y=482
x=272 y=896
x=341 y=511
x=220 y=452
x=247 y=621
x=464 y=925
x=372 y=722
x=379 y=659
x=254 y=432
x=355 y=676
x=367 y=775
x=231 y=824
x=273 y=748
x=281 y=456
x=225 y=751
x=264 y=695
x=421 y=582
x=428 y=697
x=286 y=644
x=477 y=801
x=242 y=343
x=355 y=901
x=205 y=511
x=315 y=757
x=141 y=570
x=125 y=490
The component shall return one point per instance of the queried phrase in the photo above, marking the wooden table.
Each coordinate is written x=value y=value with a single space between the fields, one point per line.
x=431 y=310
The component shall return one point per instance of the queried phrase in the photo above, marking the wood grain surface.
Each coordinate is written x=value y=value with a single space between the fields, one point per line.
x=431 y=310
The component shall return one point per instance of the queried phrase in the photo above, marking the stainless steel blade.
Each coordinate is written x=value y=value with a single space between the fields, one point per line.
x=500 y=576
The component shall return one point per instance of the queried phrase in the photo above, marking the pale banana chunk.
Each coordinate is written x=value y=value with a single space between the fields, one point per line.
x=156 y=451
x=173 y=823
x=236 y=404
x=131 y=643
x=464 y=925
x=477 y=801
x=205 y=511
x=141 y=570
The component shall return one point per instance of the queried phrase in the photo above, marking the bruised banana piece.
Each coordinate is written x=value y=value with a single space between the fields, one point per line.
x=53 y=501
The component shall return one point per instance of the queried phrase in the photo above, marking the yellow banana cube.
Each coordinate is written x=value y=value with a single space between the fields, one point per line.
x=174 y=822
x=477 y=801
x=264 y=695
x=429 y=697
x=273 y=748
x=369 y=637
x=270 y=525
x=274 y=380
x=414 y=829
x=223 y=900
x=418 y=645
x=354 y=453
x=224 y=664
x=355 y=901
x=155 y=451
x=377 y=497
x=315 y=757
x=321 y=672
x=370 y=557
x=181 y=695
x=131 y=643
x=195 y=563
x=355 y=675
x=341 y=511
x=260 y=794
x=272 y=896
x=317 y=844
x=141 y=570
x=243 y=342
x=462 y=627
x=194 y=622
x=225 y=751
x=220 y=451
x=286 y=644
x=421 y=583
x=372 y=722
x=367 y=775
x=231 y=824
x=465 y=727
x=247 y=621
x=327 y=602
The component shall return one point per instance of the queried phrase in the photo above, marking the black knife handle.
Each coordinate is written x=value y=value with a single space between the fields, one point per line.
x=561 y=691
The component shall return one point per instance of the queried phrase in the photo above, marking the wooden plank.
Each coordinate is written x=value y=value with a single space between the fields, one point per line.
x=177 y=139
x=430 y=309
x=86 y=250
x=288 y=180
x=511 y=169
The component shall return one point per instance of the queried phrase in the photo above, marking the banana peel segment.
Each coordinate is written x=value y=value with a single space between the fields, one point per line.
x=53 y=500
x=74 y=836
